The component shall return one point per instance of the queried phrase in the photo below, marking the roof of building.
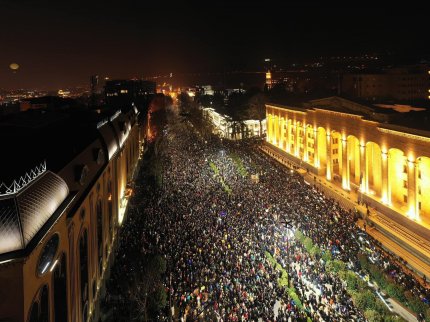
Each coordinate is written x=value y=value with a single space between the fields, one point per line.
x=35 y=136
x=411 y=118
x=24 y=213
x=50 y=158
x=109 y=137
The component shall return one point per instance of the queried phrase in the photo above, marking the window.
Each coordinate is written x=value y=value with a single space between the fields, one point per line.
x=405 y=184
x=405 y=168
x=419 y=174
x=419 y=205
x=83 y=263
x=39 y=310
x=99 y=213
x=47 y=255
x=405 y=199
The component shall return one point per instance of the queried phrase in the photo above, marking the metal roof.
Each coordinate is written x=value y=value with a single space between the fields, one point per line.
x=22 y=215
x=108 y=135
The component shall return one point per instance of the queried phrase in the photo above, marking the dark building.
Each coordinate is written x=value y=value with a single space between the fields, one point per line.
x=129 y=92
x=408 y=83
x=47 y=102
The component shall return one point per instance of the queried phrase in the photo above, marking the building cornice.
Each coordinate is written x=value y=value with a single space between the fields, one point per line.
x=289 y=108
x=404 y=134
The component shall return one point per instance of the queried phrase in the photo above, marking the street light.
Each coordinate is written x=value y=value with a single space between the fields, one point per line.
x=287 y=225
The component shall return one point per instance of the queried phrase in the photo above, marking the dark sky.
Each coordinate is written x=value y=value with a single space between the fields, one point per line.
x=61 y=44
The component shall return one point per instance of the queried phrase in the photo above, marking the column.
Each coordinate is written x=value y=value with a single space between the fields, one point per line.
x=329 y=157
x=363 y=169
x=269 y=128
x=412 y=189
x=384 y=174
x=288 y=136
x=282 y=137
x=316 y=154
x=305 y=143
x=297 y=143
x=345 y=166
x=273 y=138
x=275 y=125
x=388 y=180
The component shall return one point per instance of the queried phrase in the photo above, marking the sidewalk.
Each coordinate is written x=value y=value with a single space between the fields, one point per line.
x=393 y=238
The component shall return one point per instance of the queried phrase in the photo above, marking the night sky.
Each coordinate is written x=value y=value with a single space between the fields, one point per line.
x=61 y=44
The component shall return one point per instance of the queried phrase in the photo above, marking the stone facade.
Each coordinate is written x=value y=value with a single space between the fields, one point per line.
x=350 y=144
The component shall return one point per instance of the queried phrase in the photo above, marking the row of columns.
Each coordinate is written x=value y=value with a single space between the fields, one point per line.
x=279 y=132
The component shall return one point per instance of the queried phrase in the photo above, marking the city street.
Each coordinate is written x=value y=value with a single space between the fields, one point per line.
x=225 y=242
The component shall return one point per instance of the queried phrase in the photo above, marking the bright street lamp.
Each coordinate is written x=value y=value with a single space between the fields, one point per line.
x=287 y=225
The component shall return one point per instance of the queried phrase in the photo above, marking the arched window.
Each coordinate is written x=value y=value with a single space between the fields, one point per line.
x=39 y=311
x=99 y=212
x=34 y=312
x=60 y=290
x=110 y=209
x=83 y=269
x=46 y=258
x=44 y=305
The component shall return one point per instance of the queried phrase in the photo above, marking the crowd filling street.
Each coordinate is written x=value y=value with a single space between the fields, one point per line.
x=217 y=214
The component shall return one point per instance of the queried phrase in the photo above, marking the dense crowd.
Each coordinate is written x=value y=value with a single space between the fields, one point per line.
x=215 y=225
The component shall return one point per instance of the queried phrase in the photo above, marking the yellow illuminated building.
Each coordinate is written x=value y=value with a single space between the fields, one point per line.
x=354 y=146
x=59 y=223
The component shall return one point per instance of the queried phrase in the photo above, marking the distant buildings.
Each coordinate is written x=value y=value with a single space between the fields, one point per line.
x=46 y=102
x=128 y=92
x=409 y=83
x=206 y=90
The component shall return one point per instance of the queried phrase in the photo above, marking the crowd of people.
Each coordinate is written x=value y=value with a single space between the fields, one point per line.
x=215 y=226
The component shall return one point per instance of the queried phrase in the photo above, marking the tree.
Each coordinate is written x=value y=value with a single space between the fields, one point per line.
x=184 y=101
x=257 y=108
x=373 y=316
x=204 y=100
x=147 y=288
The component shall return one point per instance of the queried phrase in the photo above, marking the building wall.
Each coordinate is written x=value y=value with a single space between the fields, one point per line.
x=106 y=186
x=11 y=292
x=386 y=162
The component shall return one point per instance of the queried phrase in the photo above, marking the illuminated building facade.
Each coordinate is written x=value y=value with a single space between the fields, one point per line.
x=59 y=222
x=268 y=79
x=224 y=126
x=354 y=146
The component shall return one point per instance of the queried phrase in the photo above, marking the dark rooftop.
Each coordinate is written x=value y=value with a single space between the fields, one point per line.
x=34 y=136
